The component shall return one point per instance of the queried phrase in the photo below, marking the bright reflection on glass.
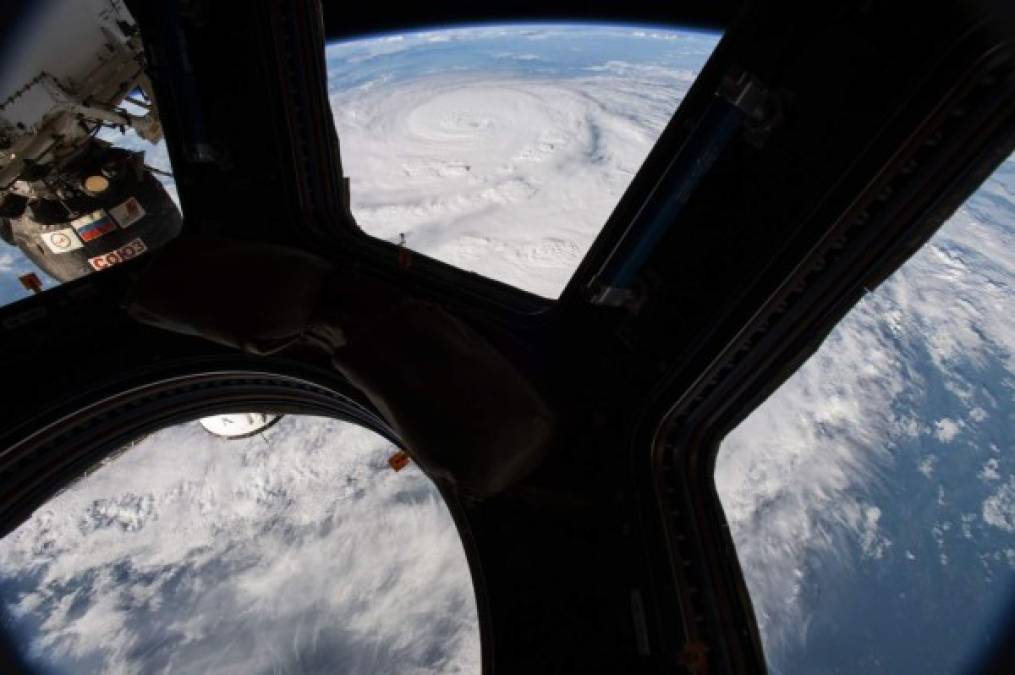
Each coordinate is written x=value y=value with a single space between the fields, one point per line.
x=504 y=149
x=296 y=549
x=872 y=497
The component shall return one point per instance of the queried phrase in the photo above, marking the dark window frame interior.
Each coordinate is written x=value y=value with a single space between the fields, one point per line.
x=694 y=398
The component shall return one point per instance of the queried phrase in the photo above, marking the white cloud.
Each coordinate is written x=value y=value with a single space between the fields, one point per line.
x=990 y=470
x=872 y=541
x=999 y=508
x=946 y=429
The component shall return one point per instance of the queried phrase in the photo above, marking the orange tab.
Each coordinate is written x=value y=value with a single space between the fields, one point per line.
x=399 y=460
x=695 y=657
x=31 y=282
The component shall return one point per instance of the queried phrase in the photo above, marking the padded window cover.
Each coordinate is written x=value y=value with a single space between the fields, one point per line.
x=466 y=414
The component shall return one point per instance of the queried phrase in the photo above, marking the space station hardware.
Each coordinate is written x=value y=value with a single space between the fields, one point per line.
x=75 y=204
x=399 y=460
x=466 y=414
x=31 y=282
x=238 y=425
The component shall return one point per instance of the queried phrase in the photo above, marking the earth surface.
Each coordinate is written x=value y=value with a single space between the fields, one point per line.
x=871 y=499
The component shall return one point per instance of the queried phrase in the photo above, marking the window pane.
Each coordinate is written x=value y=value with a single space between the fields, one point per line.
x=297 y=549
x=84 y=175
x=503 y=149
x=872 y=497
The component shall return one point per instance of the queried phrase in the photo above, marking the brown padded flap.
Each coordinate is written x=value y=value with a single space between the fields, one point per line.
x=465 y=411
x=257 y=297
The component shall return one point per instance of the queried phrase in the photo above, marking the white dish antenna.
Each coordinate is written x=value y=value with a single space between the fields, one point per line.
x=238 y=425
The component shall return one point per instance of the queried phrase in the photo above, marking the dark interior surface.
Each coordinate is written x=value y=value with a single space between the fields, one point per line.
x=869 y=124
x=340 y=23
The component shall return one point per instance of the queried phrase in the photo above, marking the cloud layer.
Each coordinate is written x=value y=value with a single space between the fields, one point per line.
x=511 y=171
x=886 y=461
x=299 y=551
x=873 y=495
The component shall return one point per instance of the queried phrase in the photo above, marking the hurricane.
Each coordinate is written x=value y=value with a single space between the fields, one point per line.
x=872 y=495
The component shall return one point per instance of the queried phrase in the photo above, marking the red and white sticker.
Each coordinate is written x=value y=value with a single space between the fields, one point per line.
x=127 y=213
x=131 y=250
x=61 y=241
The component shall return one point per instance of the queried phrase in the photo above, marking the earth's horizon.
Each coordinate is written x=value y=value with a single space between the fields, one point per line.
x=871 y=498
